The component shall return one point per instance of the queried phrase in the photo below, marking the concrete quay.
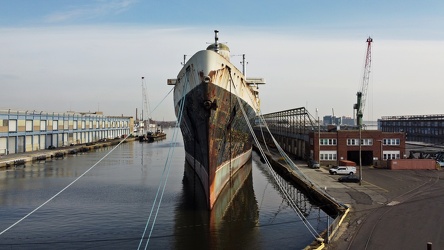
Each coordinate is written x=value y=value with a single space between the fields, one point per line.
x=391 y=209
x=21 y=159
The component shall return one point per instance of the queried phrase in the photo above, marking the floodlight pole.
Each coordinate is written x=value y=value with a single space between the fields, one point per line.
x=360 y=153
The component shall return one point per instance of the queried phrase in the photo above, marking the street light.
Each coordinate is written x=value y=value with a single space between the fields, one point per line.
x=319 y=138
x=381 y=154
x=360 y=152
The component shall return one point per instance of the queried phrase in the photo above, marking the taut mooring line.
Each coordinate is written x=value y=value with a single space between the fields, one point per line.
x=50 y=199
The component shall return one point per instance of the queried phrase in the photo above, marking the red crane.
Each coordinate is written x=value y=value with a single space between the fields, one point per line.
x=361 y=95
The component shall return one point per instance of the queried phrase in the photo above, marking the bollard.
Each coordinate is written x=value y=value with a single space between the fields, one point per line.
x=429 y=245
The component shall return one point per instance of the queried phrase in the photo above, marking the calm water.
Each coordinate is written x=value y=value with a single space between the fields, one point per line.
x=108 y=208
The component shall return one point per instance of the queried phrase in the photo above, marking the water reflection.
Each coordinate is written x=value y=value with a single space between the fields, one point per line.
x=299 y=198
x=231 y=224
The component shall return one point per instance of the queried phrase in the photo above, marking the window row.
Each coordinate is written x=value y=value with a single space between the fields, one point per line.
x=42 y=125
x=365 y=142
x=328 y=155
x=391 y=142
x=390 y=155
x=328 y=141
x=416 y=123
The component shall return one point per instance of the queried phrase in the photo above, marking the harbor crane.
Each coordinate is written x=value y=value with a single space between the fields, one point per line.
x=361 y=95
x=145 y=109
x=360 y=104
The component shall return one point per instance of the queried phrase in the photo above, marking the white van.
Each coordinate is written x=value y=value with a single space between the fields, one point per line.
x=342 y=170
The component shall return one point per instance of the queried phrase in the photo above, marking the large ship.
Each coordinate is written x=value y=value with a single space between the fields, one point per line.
x=215 y=105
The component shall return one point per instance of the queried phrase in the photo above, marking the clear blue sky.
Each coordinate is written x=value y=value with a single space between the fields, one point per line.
x=91 y=54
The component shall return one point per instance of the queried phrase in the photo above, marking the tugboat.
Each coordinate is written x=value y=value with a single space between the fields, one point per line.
x=153 y=136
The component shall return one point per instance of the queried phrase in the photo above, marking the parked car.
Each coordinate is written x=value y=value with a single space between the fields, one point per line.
x=313 y=164
x=349 y=178
x=342 y=170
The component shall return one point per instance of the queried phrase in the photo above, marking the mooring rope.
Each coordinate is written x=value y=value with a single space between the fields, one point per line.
x=167 y=167
x=57 y=194
x=263 y=138
x=283 y=154
x=291 y=163
x=304 y=220
x=161 y=101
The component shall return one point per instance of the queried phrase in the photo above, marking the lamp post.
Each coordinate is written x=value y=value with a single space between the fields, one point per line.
x=7 y=137
x=360 y=152
x=26 y=129
x=381 y=154
x=319 y=138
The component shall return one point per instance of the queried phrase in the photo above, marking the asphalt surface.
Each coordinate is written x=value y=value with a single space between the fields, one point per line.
x=391 y=209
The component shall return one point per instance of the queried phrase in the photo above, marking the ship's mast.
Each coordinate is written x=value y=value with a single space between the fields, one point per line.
x=216 y=44
x=244 y=67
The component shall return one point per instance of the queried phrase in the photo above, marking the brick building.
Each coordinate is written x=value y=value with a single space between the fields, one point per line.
x=330 y=147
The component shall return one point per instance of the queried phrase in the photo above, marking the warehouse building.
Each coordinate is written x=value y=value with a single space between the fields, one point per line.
x=26 y=131
x=418 y=128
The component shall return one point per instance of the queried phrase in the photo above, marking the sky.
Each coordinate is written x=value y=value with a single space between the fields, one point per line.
x=91 y=55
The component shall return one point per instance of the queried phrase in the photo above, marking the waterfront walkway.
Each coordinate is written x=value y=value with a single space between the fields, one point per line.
x=391 y=209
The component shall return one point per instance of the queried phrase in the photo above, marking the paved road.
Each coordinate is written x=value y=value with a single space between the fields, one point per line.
x=390 y=210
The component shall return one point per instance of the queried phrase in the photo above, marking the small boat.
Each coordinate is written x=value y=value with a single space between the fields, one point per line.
x=153 y=136
x=156 y=136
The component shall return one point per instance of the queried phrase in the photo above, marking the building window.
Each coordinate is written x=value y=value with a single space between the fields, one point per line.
x=328 y=141
x=352 y=142
x=43 y=125
x=391 y=141
x=355 y=142
x=28 y=125
x=12 y=126
x=367 y=142
x=55 y=125
x=328 y=155
x=391 y=155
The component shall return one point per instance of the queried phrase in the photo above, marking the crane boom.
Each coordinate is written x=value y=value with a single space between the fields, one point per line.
x=362 y=94
x=145 y=109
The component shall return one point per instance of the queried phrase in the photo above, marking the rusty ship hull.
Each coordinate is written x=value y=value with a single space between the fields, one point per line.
x=215 y=106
